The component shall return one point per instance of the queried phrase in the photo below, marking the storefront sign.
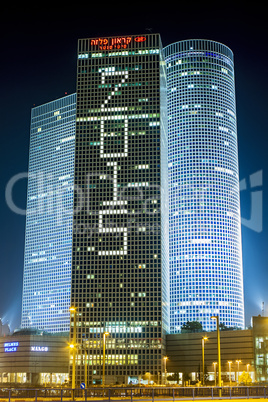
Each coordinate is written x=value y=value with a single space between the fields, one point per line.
x=39 y=349
x=11 y=346
x=115 y=43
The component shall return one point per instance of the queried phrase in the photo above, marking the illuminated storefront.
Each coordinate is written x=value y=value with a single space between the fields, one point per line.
x=260 y=333
x=241 y=351
x=34 y=359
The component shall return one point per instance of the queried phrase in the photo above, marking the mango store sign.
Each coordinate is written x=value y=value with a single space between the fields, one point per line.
x=39 y=349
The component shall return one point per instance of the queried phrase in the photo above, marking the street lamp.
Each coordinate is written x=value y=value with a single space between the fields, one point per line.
x=72 y=346
x=238 y=361
x=85 y=346
x=215 y=373
x=165 y=368
x=216 y=317
x=103 y=358
x=205 y=338
x=230 y=373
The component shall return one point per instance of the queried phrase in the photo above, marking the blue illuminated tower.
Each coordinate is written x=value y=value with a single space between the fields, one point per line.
x=48 y=237
x=205 y=231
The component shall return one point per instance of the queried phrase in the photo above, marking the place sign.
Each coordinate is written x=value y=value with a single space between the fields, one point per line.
x=11 y=346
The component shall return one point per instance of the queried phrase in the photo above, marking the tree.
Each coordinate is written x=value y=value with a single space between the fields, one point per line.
x=174 y=377
x=245 y=378
x=223 y=327
x=186 y=378
x=192 y=326
x=206 y=374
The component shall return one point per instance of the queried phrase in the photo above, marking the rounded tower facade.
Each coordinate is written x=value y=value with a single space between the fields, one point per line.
x=206 y=276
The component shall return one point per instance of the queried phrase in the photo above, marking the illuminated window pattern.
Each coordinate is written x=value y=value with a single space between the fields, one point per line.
x=120 y=235
x=48 y=238
x=205 y=240
x=261 y=357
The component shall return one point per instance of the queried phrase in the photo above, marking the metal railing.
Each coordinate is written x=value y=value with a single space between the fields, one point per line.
x=131 y=394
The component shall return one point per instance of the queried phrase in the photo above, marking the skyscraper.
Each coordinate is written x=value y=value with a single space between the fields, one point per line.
x=48 y=237
x=205 y=231
x=120 y=233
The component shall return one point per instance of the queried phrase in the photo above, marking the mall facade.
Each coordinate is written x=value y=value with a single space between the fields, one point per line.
x=33 y=359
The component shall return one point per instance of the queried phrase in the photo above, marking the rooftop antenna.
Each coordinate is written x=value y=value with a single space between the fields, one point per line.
x=262 y=309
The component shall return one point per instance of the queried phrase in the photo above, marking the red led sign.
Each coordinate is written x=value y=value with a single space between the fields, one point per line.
x=140 y=39
x=115 y=43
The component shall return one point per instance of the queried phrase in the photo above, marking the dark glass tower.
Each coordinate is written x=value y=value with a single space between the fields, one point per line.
x=120 y=281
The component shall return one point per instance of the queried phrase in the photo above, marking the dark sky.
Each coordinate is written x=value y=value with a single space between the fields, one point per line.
x=38 y=65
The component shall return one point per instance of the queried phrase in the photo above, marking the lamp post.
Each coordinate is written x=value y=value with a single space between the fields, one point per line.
x=230 y=373
x=85 y=345
x=215 y=373
x=205 y=338
x=73 y=352
x=73 y=346
x=238 y=361
x=103 y=358
x=165 y=368
x=216 y=317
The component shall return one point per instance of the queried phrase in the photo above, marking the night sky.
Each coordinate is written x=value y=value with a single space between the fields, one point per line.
x=38 y=65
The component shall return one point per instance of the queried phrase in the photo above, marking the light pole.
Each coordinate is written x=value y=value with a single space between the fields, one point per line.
x=165 y=368
x=216 y=317
x=205 y=338
x=215 y=372
x=73 y=346
x=103 y=358
x=230 y=373
x=85 y=368
x=73 y=352
x=238 y=361
x=85 y=346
